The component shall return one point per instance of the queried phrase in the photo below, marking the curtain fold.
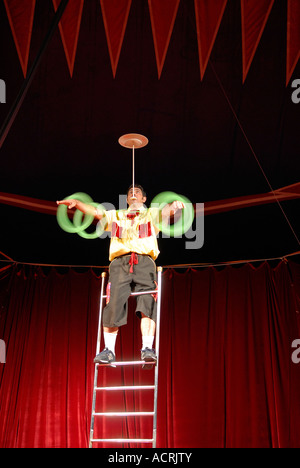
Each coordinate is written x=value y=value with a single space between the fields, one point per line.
x=226 y=375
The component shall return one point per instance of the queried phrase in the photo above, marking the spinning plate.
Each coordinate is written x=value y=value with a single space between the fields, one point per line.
x=133 y=140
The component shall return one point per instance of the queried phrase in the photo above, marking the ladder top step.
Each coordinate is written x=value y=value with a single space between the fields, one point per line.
x=125 y=413
x=126 y=363
x=126 y=387
x=146 y=441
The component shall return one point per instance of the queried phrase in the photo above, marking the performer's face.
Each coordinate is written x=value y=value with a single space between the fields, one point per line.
x=135 y=197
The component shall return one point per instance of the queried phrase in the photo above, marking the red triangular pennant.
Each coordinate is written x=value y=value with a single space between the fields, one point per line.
x=115 y=16
x=255 y=14
x=293 y=38
x=163 y=15
x=208 y=18
x=69 y=29
x=20 y=16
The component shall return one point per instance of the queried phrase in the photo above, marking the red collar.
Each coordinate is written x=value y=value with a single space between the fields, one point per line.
x=131 y=215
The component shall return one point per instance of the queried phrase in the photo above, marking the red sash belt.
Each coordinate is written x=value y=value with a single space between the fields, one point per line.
x=134 y=260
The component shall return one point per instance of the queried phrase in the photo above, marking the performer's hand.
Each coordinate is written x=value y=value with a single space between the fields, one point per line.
x=71 y=203
x=171 y=208
x=175 y=206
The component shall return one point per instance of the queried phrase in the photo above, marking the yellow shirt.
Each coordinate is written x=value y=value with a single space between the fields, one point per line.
x=132 y=231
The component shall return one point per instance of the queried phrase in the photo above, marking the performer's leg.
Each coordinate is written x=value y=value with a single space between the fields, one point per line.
x=148 y=331
x=145 y=279
x=110 y=337
x=147 y=325
x=115 y=312
x=116 y=309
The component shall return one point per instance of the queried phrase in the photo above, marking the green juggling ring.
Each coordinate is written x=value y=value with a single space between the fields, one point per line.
x=62 y=214
x=77 y=220
x=186 y=220
x=78 y=226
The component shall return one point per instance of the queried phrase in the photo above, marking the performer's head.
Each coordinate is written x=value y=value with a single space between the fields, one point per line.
x=136 y=195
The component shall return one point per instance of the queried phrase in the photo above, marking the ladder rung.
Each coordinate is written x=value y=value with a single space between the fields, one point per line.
x=126 y=387
x=126 y=413
x=126 y=363
x=145 y=441
x=141 y=293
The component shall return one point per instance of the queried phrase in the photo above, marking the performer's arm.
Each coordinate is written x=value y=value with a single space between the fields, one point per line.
x=84 y=207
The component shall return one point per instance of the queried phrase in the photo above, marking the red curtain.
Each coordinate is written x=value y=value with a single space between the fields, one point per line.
x=226 y=374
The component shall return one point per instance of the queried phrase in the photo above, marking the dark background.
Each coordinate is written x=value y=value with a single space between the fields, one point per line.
x=65 y=137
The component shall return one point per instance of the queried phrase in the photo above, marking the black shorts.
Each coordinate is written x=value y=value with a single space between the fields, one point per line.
x=124 y=278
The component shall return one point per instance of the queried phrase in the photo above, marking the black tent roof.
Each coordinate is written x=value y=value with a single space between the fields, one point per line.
x=209 y=139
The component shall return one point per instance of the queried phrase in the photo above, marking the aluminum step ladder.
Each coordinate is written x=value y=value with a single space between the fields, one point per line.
x=154 y=387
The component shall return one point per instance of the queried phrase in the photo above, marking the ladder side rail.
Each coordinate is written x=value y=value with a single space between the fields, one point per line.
x=103 y=275
x=157 y=341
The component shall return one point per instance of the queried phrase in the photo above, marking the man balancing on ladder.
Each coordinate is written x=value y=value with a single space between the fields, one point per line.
x=133 y=251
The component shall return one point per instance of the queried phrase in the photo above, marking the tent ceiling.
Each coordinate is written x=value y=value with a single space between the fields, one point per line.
x=209 y=83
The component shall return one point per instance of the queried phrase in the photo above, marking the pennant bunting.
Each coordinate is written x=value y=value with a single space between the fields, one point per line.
x=69 y=27
x=255 y=14
x=115 y=16
x=163 y=15
x=20 y=16
x=208 y=19
x=293 y=38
